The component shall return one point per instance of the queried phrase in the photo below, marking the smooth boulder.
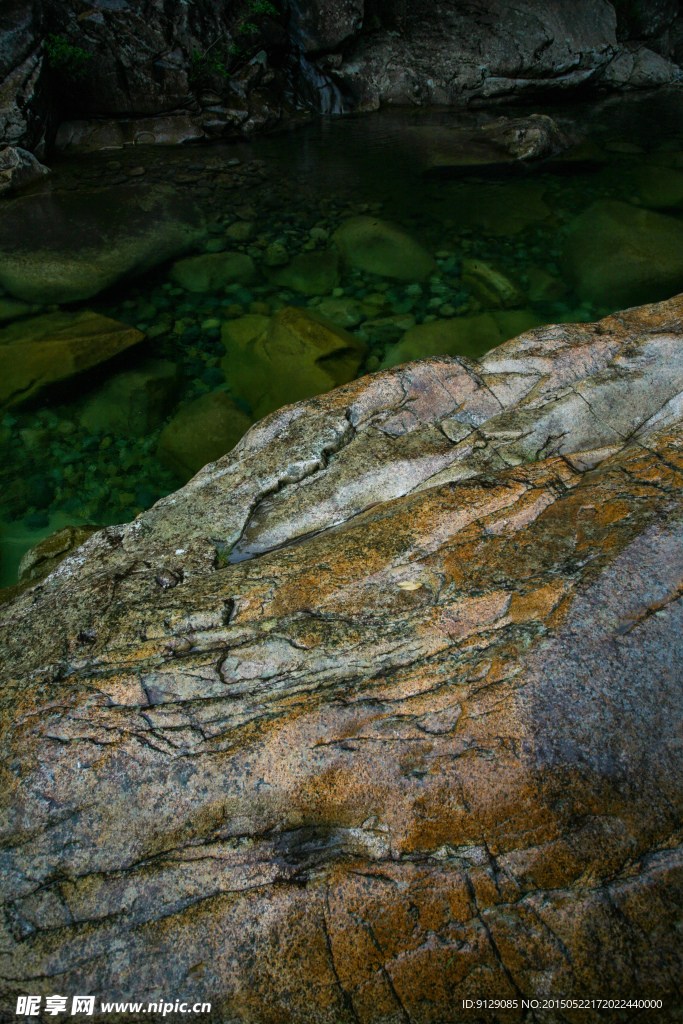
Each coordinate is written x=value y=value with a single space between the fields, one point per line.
x=296 y=354
x=38 y=352
x=18 y=167
x=616 y=254
x=201 y=432
x=134 y=402
x=309 y=273
x=377 y=247
x=63 y=247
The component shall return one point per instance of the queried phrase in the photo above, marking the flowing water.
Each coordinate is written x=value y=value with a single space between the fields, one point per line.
x=63 y=461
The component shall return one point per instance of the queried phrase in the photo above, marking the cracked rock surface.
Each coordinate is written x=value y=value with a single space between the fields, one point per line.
x=380 y=712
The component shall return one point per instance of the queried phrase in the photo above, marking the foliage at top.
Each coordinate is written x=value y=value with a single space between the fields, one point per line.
x=219 y=57
x=64 y=58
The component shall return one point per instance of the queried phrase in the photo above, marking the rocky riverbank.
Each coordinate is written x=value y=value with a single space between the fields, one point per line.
x=116 y=75
x=380 y=712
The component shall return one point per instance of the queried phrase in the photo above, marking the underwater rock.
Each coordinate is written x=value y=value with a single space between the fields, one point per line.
x=294 y=355
x=18 y=167
x=133 y=403
x=470 y=336
x=201 y=432
x=545 y=287
x=12 y=309
x=616 y=252
x=659 y=188
x=501 y=209
x=373 y=245
x=240 y=231
x=40 y=351
x=385 y=766
x=62 y=247
x=309 y=273
x=343 y=311
x=213 y=271
x=491 y=286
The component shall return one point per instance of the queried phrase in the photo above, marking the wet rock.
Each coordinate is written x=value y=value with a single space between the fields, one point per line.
x=470 y=336
x=23 y=105
x=377 y=247
x=18 y=167
x=385 y=329
x=213 y=271
x=44 y=350
x=64 y=247
x=545 y=287
x=201 y=432
x=133 y=403
x=92 y=136
x=314 y=273
x=490 y=285
x=347 y=758
x=294 y=355
x=42 y=559
x=501 y=142
x=616 y=252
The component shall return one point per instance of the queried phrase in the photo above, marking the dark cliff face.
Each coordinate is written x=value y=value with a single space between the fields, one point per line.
x=241 y=65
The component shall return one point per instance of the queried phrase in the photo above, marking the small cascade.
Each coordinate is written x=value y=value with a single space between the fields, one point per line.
x=309 y=85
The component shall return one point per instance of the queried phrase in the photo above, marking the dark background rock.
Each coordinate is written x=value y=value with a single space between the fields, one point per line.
x=142 y=59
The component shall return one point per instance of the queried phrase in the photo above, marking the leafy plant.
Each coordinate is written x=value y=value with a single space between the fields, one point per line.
x=248 y=28
x=262 y=7
x=64 y=58
x=205 y=65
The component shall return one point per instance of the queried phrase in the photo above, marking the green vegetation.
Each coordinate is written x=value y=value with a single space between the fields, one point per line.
x=220 y=59
x=67 y=60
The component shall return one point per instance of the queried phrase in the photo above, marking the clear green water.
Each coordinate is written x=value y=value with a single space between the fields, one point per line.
x=55 y=472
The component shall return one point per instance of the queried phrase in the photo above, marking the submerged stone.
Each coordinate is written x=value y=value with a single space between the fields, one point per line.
x=295 y=354
x=44 y=350
x=504 y=141
x=616 y=253
x=470 y=336
x=377 y=247
x=491 y=286
x=133 y=403
x=201 y=432
x=501 y=209
x=62 y=247
x=309 y=273
x=213 y=271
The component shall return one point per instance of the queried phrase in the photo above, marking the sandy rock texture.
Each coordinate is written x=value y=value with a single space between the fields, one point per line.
x=380 y=712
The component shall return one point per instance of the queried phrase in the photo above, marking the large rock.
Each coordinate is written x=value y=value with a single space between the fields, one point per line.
x=296 y=354
x=429 y=52
x=324 y=24
x=502 y=142
x=201 y=432
x=18 y=167
x=432 y=754
x=616 y=253
x=44 y=557
x=640 y=19
x=38 y=352
x=67 y=246
x=133 y=403
x=373 y=245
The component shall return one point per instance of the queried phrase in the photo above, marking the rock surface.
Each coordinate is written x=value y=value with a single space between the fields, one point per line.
x=377 y=247
x=38 y=352
x=430 y=752
x=211 y=271
x=133 y=403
